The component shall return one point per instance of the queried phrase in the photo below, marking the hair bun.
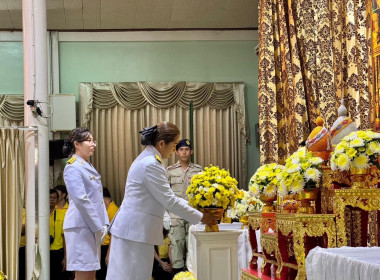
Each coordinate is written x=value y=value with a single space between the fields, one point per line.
x=148 y=135
x=67 y=148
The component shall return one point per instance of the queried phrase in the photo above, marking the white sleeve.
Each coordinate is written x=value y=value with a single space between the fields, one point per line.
x=75 y=188
x=156 y=182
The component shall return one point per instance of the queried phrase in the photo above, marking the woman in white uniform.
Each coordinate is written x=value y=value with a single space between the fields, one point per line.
x=86 y=220
x=138 y=225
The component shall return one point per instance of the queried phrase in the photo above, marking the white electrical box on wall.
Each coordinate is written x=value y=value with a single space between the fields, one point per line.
x=64 y=115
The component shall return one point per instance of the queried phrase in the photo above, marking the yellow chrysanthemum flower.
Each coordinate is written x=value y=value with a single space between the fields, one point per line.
x=361 y=161
x=342 y=161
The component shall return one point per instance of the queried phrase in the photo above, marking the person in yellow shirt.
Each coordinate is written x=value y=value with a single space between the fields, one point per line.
x=57 y=242
x=111 y=212
x=62 y=204
x=21 y=252
x=162 y=267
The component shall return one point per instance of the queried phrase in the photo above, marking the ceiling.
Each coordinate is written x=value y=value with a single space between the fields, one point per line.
x=138 y=14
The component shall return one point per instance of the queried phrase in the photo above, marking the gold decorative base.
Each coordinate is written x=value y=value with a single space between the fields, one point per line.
x=306 y=198
x=268 y=200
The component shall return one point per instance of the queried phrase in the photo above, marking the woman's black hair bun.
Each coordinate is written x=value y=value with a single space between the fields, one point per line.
x=67 y=148
x=148 y=135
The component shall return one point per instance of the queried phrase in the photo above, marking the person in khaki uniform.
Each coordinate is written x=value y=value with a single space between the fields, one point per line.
x=179 y=175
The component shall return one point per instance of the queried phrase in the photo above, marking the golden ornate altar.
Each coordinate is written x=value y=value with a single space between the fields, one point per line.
x=348 y=214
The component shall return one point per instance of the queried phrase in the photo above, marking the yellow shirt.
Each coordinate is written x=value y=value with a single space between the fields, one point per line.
x=111 y=212
x=64 y=209
x=23 y=237
x=163 y=250
x=56 y=229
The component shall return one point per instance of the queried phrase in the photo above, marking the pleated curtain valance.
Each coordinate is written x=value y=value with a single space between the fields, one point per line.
x=12 y=107
x=116 y=112
x=136 y=95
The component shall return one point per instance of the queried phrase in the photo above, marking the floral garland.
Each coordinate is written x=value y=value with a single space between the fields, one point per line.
x=265 y=180
x=301 y=170
x=248 y=203
x=2 y=276
x=213 y=187
x=187 y=275
x=359 y=149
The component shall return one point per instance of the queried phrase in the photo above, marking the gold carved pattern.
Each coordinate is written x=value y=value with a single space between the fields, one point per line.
x=356 y=228
x=254 y=220
x=269 y=244
x=373 y=230
x=348 y=224
x=327 y=183
x=306 y=224
x=247 y=276
x=365 y=199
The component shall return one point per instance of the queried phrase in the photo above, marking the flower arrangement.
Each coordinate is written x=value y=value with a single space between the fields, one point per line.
x=359 y=149
x=184 y=275
x=265 y=180
x=213 y=187
x=301 y=171
x=2 y=275
x=248 y=203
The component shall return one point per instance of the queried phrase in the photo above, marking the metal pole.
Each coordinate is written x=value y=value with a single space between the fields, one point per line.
x=36 y=88
x=191 y=112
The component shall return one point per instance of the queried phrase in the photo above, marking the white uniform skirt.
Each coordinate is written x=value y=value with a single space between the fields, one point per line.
x=82 y=252
x=130 y=260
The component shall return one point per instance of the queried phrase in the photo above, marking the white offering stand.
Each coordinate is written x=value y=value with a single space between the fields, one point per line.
x=217 y=255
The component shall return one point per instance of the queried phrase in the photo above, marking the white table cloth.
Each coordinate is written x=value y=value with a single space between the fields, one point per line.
x=344 y=263
x=244 y=247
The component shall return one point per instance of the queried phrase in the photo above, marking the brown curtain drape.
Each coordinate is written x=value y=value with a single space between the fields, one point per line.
x=11 y=182
x=313 y=53
x=116 y=112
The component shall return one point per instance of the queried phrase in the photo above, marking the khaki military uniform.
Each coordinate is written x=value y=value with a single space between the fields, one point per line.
x=179 y=181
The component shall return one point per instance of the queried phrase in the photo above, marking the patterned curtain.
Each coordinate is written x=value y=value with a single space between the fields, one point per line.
x=313 y=53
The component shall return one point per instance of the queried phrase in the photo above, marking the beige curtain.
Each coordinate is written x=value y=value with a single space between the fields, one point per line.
x=11 y=182
x=313 y=53
x=116 y=112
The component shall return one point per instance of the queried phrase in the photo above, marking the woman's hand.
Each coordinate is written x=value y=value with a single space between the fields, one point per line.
x=210 y=218
x=167 y=266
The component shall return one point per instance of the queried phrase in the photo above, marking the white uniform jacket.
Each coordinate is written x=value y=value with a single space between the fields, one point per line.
x=86 y=205
x=147 y=194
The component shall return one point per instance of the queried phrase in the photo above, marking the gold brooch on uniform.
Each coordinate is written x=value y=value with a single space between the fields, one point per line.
x=187 y=142
x=70 y=161
x=92 y=177
x=157 y=157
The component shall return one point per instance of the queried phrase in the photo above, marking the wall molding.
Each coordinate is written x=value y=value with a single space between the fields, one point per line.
x=143 y=36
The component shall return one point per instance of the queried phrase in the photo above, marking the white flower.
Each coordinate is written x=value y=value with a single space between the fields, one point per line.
x=351 y=136
x=214 y=202
x=361 y=161
x=373 y=135
x=295 y=160
x=358 y=142
x=315 y=160
x=255 y=189
x=293 y=168
x=312 y=174
x=282 y=189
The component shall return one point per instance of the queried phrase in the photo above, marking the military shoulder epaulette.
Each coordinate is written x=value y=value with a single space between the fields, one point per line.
x=71 y=160
x=157 y=158
x=198 y=166
x=171 y=167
